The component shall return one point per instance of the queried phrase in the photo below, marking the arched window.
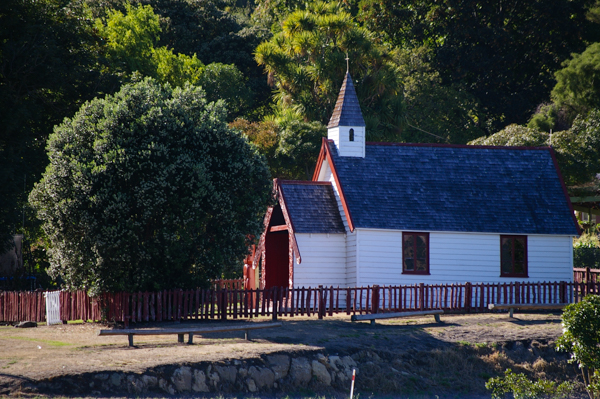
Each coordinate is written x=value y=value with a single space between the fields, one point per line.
x=351 y=134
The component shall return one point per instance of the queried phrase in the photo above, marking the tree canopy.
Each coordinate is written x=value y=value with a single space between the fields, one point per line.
x=504 y=53
x=578 y=83
x=149 y=189
x=306 y=64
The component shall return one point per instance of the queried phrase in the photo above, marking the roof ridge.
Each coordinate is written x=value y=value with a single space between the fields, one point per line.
x=347 y=108
x=306 y=182
x=490 y=147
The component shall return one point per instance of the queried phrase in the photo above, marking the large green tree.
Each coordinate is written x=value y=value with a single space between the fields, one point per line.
x=578 y=83
x=131 y=46
x=149 y=189
x=306 y=63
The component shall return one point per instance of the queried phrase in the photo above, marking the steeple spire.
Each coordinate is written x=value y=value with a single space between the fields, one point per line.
x=347 y=109
x=347 y=127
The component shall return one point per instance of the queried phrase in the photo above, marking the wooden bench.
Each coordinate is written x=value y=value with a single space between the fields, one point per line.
x=530 y=306
x=191 y=331
x=436 y=314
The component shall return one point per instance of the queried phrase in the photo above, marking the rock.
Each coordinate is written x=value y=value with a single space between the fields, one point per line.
x=135 y=385
x=101 y=377
x=150 y=381
x=115 y=379
x=334 y=361
x=237 y=362
x=182 y=379
x=320 y=372
x=251 y=385
x=214 y=378
x=243 y=372
x=26 y=324
x=263 y=377
x=300 y=371
x=200 y=382
x=280 y=364
x=348 y=362
x=165 y=386
x=227 y=373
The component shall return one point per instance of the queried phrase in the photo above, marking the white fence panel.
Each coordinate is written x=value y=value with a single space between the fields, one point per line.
x=52 y=307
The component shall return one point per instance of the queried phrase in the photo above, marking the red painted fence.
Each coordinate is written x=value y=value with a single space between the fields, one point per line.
x=199 y=304
x=586 y=275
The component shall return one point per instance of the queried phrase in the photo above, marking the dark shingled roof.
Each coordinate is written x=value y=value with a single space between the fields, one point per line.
x=312 y=207
x=347 y=109
x=454 y=188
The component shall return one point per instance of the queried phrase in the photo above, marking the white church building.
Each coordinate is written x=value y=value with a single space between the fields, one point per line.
x=396 y=213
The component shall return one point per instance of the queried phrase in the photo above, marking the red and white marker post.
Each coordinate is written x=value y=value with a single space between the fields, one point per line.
x=352 y=387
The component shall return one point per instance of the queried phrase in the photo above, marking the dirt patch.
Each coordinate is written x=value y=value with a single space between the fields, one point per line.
x=409 y=355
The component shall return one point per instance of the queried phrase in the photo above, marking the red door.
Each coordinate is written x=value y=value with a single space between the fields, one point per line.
x=277 y=269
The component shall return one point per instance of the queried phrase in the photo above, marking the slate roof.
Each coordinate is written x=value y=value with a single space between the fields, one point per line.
x=454 y=188
x=347 y=109
x=312 y=207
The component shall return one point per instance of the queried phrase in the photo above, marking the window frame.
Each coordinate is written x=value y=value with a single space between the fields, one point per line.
x=525 y=274
x=414 y=234
x=351 y=135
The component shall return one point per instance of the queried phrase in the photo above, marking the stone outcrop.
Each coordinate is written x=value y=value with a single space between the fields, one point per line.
x=270 y=374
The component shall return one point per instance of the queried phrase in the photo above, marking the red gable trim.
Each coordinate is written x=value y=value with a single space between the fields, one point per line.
x=322 y=156
x=288 y=220
x=326 y=155
x=260 y=248
x=564 y=187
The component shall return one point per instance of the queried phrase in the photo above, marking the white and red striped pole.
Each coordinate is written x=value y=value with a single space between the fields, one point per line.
x=352 y=387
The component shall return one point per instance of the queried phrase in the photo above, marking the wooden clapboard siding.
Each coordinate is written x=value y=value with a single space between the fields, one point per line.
x=459 y=257
x=351 y=268
x=323 y=260
x=347 y=148
x=550 y=258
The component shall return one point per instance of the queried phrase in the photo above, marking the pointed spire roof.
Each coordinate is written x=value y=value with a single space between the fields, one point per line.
x=347 y=109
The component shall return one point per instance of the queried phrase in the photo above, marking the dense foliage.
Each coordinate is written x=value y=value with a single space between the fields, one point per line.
x=306 y=64
x=504 y=53
x=586 y=250
x=149 y=189
x=443 y=71
x=581 y=337
x=521 y=387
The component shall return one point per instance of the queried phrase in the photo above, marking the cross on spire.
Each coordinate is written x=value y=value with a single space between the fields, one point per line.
x=347 y=63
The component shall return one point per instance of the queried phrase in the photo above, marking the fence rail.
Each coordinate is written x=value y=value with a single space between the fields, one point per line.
x=200 y=304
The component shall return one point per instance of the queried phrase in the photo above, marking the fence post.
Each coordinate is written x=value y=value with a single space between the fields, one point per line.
x=223 y=304
x=274 y=298
x=320 y=300
x=468 y=296
x=421 y=296
x=375 y=300
x=562 y=292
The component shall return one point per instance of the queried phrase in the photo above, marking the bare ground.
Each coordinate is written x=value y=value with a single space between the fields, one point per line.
x=418 y=344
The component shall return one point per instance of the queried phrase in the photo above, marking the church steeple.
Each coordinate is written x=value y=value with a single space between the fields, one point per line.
x=347 y=125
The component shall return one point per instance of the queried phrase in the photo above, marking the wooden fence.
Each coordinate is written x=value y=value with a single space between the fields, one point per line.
x=231 y=284
x=586 y=275
x=199 y=304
